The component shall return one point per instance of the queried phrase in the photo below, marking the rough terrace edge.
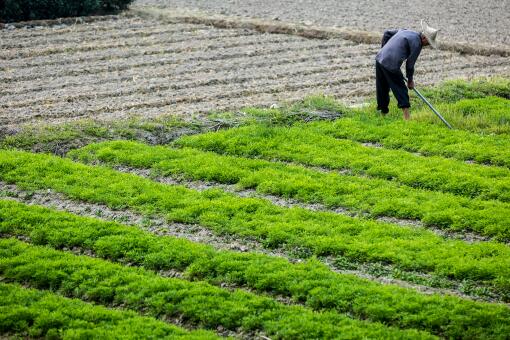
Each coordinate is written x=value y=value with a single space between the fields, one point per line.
x=178 y=15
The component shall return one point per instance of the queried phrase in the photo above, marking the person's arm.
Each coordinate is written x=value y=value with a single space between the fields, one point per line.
x=415 y=52
x=387 y=36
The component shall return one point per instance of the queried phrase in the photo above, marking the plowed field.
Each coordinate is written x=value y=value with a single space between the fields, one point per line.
x=109 y=70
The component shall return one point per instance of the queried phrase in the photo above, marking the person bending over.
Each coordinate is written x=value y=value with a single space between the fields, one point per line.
x=398 y=46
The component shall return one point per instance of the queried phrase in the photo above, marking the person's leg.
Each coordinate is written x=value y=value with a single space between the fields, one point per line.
x=399 y=89
x=405 y=110
x=382 y=89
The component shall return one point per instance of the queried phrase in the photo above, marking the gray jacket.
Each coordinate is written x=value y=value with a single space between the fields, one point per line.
x=399 y=46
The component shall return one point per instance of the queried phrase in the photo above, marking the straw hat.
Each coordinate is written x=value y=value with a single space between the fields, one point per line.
x=430 y=33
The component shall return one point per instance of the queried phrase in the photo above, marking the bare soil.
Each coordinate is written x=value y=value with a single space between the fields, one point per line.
x=125 y=66
x=459 y=20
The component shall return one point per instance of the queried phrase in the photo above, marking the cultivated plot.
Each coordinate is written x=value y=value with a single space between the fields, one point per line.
x=115 y=68
x=286 y=230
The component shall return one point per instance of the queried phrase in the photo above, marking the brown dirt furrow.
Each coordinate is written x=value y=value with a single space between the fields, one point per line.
x=112 y=55
x=177 y=15
x=215 y=102
x=94 y=35
x=444 y=73
x=287 y=56
x=249 y=84
x=175 y=57
x=161 y=78
x=173 y=96
x=217 y=50
x=350 y=93
x=190 y=107
x=196 y=233
x=136 y=42
x=167 y=61
x=186 y=80
x=459 y=20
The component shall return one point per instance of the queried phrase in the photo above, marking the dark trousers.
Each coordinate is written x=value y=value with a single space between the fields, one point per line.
x=386 y=80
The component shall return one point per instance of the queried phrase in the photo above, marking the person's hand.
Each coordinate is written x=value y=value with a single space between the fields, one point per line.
x=410 y=84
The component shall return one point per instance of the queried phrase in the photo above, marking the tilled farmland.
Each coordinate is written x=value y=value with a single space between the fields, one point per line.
x=301 y=230
x=113 y=69
x=459 y=20
x=313 y=220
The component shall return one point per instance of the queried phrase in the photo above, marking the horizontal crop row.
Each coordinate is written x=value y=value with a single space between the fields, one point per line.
x=80 y=37
x=197 y=303
x=117 y=58
x=113 y=43
x=190 y=104
x=376 y=196
x=36 y=314
x=159 y=66
x=181 y=80
x=209 y=92
x=321 y=232
x=308 y=146
x=310 y=283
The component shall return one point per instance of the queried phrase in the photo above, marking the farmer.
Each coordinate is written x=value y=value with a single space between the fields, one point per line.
x=397 y=46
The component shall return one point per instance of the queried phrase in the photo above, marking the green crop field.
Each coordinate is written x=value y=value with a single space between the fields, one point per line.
x=308 y=221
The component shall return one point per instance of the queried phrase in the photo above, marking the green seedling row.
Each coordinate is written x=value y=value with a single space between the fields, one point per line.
x=302 y=144
x=197 y=303
x=310 y=283
x=422 y=138
x=455 y=90
x=323 y=233
x=29 y=313
x=489 y=115
x=376 y=196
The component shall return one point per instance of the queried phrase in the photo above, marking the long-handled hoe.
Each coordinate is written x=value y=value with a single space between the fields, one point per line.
x=431 y=107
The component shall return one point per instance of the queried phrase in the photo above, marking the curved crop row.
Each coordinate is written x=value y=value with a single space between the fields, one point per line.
x=321 y=232
x=418 y=137
x=196 y=302
x=377 y=196
x=303 y=145
x=310 y=283
x=36 y=314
